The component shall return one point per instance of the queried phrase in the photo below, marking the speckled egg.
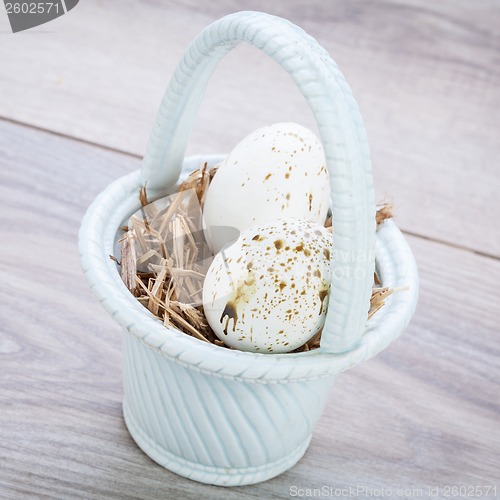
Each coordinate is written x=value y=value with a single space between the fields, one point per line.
x=276 y=172
x=268 y=291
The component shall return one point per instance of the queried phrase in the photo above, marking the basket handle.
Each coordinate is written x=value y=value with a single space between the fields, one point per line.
x=342 y=134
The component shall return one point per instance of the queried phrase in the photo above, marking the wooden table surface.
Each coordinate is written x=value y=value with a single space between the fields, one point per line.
x=77 y=100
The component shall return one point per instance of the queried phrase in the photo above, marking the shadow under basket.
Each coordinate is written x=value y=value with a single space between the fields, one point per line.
x=228 y=417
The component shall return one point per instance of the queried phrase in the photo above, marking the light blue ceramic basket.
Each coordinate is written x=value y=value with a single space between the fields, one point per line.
x=228 y=417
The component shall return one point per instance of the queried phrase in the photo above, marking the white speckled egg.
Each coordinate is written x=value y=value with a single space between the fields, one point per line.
x=276 y=172
x=268 y=291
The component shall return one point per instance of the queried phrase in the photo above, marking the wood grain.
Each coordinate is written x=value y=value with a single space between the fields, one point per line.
x=424 y=73
x=424 y=413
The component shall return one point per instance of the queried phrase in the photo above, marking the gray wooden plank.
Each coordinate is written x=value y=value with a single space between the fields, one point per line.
x=422 y=414
x=424 y=73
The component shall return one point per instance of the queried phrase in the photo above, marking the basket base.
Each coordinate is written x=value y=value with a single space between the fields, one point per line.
x=220 y=476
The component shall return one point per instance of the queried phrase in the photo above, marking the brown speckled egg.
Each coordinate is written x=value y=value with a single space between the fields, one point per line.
x=268 y=291
x=276 y=172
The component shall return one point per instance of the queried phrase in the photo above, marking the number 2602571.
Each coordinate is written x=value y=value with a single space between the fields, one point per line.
x=32 y=8
x=469 y=491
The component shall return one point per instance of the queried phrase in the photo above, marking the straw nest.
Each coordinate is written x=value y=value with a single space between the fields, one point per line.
x=164 y=259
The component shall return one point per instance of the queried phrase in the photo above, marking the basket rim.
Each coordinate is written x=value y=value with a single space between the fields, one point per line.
x=97 y=239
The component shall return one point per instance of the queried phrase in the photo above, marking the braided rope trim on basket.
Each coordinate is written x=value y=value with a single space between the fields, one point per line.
x=98 y=235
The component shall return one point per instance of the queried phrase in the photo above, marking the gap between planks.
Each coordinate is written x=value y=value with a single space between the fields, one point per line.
x=134 y=155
